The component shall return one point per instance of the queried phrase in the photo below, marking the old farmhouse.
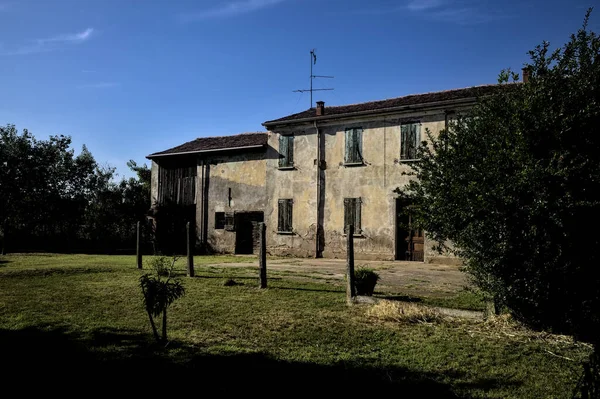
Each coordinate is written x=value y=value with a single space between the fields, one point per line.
x=308 y=176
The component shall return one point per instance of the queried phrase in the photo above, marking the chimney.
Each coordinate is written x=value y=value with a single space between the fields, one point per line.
x=526 y=73
x=320 y=108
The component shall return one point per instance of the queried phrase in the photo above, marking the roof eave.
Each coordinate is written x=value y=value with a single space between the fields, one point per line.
x=151 y=156
x=372 y=112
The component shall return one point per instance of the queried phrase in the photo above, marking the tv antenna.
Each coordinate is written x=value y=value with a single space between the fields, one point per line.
x=313 y=61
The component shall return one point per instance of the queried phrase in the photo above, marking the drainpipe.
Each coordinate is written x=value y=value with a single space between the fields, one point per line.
x=318 y=250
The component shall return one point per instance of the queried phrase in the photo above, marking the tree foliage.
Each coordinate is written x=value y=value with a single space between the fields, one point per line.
x=513 y=185
x=54 y=200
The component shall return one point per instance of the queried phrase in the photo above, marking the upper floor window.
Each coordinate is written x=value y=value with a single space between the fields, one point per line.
x=353 y=152
x=284 y=219
x=352 y=214
x=409 y=141
x=286 y=151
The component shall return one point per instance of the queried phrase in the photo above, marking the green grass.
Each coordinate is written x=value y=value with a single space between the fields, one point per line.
x=298 y=335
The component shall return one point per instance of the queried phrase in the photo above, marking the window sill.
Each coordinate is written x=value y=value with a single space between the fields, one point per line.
x=355 y=235
x=408 y=160
x=286 y=233
x=354 y=164
x=286 y=168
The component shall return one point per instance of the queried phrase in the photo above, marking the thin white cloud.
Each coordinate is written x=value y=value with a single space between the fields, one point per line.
x=71 y=38
x=460 y=12
x=422 y=5
x=98 y=85
x=229 y=9
x=50 y=43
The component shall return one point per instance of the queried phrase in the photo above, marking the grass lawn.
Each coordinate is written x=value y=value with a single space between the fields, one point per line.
x=73 y=320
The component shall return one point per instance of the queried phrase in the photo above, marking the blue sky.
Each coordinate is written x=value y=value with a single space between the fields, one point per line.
x=128 y=78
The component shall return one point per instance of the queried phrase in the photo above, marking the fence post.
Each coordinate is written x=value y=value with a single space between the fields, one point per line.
x=350 y=288
x=262 y=255
x=138 y=251
x=190 y=255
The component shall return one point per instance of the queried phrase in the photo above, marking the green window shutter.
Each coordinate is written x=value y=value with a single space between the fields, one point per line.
x=347 y=214
x=358 y=145
x=289 y=215
x=353 y=147
x=412 y=141
x=283 y=151
x=404 y=133
x=417 y=138
x=357 y=205
x=348 y=146
x=281 y=215
x=290 y=150
x=352 y=214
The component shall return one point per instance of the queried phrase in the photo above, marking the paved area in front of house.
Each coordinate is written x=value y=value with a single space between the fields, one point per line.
x=408 y=278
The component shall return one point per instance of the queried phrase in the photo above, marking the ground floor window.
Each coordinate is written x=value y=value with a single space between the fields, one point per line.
x=352 y=214
x=284 y=223
x=219 y=220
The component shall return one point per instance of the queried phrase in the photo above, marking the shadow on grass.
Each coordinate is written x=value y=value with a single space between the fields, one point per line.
x=307 y=289
x=126 y=361
x=400 y=298
x=55 y=271
x=225 y=277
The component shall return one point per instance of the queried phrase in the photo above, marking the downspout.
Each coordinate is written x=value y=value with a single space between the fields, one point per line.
x=319 y=228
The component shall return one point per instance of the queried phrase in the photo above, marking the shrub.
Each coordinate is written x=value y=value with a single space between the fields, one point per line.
x=365 y=280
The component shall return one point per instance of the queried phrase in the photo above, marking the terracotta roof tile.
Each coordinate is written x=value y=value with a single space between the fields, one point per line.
x=206 y=144
x=382 y=105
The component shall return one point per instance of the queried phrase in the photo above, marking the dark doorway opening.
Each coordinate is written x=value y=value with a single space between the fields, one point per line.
x=171 y=232
x=246 y=231
x=410 y=242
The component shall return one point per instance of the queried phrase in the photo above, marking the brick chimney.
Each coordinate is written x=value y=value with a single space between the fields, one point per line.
x=320 y=108
x=526 y=73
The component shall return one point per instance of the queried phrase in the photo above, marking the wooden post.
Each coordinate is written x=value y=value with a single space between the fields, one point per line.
x=190 y=255
x=350 y=288
x=262 y=254
x=138 y=251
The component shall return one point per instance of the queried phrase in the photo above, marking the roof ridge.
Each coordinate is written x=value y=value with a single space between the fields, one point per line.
x=227 y=135
x=414 y=94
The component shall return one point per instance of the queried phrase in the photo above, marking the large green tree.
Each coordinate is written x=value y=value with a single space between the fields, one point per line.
x=514 y=186
x=52 y=199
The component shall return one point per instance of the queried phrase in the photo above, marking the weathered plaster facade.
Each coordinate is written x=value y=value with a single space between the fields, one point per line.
x=374 y=182
x=236 y=184
x=240 y=177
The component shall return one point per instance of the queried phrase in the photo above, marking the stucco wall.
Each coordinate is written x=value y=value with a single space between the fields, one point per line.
x=374 y=183
x=245 y=174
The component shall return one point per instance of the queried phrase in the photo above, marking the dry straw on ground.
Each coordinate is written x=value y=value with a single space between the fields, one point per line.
x=403 y=312
x=502 y=327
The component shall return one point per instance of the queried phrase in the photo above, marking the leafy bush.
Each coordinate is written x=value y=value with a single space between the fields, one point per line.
x=160 y=292
x=365 y=280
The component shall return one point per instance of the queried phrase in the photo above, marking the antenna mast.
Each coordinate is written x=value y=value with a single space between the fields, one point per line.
x=313 y=60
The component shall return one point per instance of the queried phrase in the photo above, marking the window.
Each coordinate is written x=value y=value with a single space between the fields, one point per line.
x=409 y=141
x=286 y=151
x=230 y=221
x=353 y=153
x=284 y=223
x=219 y=220
x=352 y=214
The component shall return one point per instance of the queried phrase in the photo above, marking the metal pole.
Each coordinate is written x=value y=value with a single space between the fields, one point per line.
x=350 y=287
x=190 y=255
x=262 y=255
x=138 y=252
x=312 y=52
